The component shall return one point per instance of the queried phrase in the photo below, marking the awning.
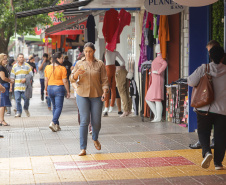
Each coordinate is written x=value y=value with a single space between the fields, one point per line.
x=52 y=8
x=70 y=23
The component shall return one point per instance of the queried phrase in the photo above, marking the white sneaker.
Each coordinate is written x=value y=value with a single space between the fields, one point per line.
x=105 y=109
x=58 y=128
x=206 y=161
x=110 y=109
x=52 y=126
x=17 y=115
x=124 y=114
x=27 y=113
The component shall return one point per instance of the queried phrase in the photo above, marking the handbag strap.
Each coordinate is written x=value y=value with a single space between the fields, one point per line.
x=203 y=114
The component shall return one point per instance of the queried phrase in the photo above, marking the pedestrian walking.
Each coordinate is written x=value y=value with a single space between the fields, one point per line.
x=18 y=74
x=92 y=89
x=2 y=90
x=31 y=62
x=216 y=111
x=9 y=67
x=47 y=97
x=37 y=59
x=41 y=67
x=5 y=82
x=55 y=84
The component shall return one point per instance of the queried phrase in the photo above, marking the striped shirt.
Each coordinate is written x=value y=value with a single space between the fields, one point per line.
x=18 y=73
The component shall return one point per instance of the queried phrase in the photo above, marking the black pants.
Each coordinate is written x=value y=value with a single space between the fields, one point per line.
x=42 y=82
x=204 y=131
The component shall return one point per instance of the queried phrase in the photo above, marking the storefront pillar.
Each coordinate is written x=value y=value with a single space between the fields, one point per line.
x=198 y=38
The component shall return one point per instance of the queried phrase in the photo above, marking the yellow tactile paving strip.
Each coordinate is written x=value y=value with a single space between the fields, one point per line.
x=34 y=170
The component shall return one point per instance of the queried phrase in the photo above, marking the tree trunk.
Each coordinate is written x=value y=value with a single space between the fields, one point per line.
x=3 y=46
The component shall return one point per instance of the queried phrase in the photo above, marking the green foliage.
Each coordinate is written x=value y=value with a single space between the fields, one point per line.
x=25 y=25
x=217 y=22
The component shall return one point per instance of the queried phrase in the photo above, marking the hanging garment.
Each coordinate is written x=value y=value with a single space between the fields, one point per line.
x=156 y=90
x=135 y=96
x=149 y=25
x=91 y=29
x=156 y=27
x=147 y=83
x=110 y=24
x=150 y=55
x=143 y=48
x=124 y=20
x=54 y=40
x=164 y=35
x=58 y=41
x=144 y=67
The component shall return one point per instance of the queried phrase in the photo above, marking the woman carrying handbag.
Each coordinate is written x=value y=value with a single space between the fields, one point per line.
x=215 y=113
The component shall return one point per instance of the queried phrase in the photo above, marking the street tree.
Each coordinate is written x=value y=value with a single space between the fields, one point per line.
x=26 y=25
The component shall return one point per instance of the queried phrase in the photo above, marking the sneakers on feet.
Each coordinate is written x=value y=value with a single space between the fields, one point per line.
x=58 y=128
x=17 y=115
x=8 y=113
x=195 y=146
x=120 y=112
x=52 y=126
x=124 y=114
x=219 y=167
x=105 y=114
x=27 y=113
x=207 y=159
x=110 y=109
x=105 y=109
x=42 y=97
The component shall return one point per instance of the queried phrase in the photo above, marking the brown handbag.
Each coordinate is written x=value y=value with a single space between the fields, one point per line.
x=203 y=93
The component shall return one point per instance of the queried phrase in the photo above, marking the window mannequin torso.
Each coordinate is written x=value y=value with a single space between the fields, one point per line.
x=111 y=57
x=110 y=69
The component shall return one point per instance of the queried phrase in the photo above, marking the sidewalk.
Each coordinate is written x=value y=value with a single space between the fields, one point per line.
x=133 y=152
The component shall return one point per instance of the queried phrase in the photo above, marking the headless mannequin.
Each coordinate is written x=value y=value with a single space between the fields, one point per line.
x=154 y=99
x=110 y=68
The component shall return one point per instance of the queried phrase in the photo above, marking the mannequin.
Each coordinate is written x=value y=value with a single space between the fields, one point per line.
x=122 y=83
x=110 y=68
x=155 y=93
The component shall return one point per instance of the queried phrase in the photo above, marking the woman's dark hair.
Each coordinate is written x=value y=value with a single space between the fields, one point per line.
x=55 y=56
x=89 y=44
x=66 y=58
x=55 y=61
x=11 y=60
x=45 y=55
x=216 y=54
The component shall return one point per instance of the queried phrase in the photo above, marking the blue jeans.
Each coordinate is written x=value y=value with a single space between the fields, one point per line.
x=18 y=95
x=48 y=101
x=89 y=107
x=42 y=82
x=56 y=95
x=36 y=65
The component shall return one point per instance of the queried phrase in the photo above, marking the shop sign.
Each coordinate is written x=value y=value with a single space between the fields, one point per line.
x=77 y=30
x=162 y=7
x=195 y=2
